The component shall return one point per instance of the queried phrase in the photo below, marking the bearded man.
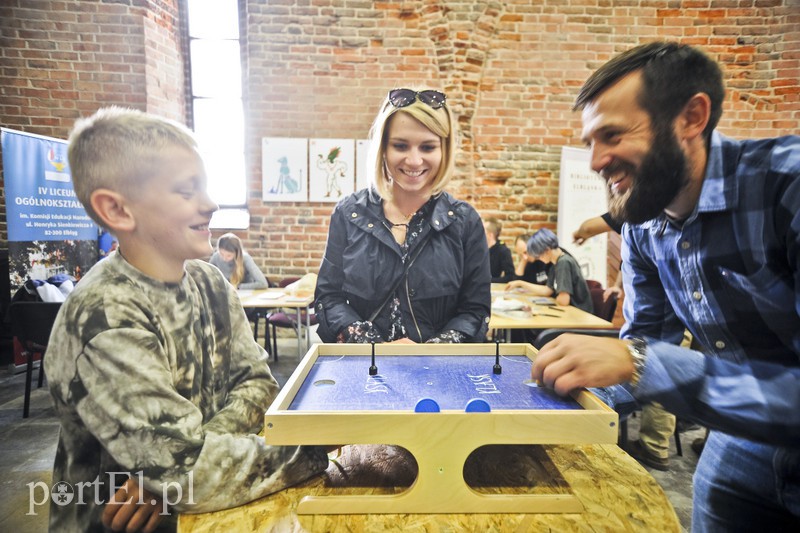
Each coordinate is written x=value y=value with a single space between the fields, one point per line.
x=711 y=243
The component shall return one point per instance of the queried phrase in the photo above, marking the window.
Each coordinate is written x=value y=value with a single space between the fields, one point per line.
x=216 y=98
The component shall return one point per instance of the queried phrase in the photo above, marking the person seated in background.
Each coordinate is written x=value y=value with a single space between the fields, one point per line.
x=155 y=376
x=500 y=262
x=236 y=265
x=527 y=268
x=564 y=282
x=405 y=261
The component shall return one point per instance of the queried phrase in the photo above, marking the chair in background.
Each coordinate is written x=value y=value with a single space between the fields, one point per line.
x=549 y=334
x=31 y=323
x=282 y=319
x=594 y=284
x=255 y=315
x=604 y=309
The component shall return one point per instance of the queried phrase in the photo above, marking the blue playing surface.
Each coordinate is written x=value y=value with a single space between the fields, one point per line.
x=343 y=383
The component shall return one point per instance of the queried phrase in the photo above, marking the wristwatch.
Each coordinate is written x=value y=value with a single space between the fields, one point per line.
x=637 y=347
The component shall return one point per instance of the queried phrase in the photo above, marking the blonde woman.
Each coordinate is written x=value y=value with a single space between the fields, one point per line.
x=405 y=261
x=236 y=265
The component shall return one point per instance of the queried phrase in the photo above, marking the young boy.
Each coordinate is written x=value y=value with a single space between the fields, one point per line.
x=152 y=365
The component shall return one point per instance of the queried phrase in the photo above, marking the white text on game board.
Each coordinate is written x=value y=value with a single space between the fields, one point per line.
x=484 y=384
x=376 y=383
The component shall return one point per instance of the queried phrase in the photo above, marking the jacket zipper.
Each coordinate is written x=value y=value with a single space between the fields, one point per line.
x=411 y=309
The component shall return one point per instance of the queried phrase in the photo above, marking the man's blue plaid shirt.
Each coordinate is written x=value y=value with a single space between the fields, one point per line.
x=730 y=275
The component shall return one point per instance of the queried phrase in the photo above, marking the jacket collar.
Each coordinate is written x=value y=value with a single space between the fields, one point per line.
x=441 y=215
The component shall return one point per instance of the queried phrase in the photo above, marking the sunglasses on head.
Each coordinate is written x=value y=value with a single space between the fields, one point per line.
x=406 y=97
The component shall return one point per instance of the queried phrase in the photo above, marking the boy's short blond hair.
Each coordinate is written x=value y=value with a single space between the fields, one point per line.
x=440 y=121
x=116 y=149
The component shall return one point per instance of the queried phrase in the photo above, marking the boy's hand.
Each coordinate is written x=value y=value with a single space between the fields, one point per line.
x=125 y=513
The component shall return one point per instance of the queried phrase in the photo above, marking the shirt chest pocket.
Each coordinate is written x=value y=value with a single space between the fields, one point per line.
x=766 y=293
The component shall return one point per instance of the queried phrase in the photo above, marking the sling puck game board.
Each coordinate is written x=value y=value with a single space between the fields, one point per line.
x=440 y=402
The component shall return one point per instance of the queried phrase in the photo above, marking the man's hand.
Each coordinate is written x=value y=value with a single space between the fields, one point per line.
x=573 y=361
x=125 y=513
x=589 y=228
x=612 y=290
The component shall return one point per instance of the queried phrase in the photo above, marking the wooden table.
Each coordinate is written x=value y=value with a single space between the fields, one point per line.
x=275 y=298
x=540 y=313
x=616 y=492
x=559 y=462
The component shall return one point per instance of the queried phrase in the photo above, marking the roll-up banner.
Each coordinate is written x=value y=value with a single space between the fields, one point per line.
x=49 y=233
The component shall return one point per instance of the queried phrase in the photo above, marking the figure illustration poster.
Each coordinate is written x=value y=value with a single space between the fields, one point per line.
x=331 y=169
x=283 y=169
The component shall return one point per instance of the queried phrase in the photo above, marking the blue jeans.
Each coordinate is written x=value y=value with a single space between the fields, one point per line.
x=618 y=398
x=740 y=485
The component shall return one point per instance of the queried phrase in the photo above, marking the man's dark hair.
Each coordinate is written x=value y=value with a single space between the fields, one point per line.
x=671 y=74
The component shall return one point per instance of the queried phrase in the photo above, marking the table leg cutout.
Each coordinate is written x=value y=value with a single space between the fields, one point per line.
x=440 y=487
x=471 y=407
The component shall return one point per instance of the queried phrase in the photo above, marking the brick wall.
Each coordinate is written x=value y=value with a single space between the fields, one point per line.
x=60 y=60
x=319 y=68
x=511 y=71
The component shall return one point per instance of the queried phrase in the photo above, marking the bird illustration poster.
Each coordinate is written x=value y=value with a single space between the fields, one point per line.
x=331 y=169
x=284 y=169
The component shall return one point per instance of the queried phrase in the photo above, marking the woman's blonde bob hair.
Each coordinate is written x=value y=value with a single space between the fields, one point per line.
x=440 y=121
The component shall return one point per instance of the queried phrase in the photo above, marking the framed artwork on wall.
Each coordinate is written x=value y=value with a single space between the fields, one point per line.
x=362 y=172
x=331 y=169
x=284 y=169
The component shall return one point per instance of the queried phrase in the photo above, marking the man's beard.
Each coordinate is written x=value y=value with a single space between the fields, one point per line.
x=659 y=179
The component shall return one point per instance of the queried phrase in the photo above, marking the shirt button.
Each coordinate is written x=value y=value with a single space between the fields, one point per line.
x=450 y=213
x=720 y=344
x=370 y=225
x=685 y=245
x=354 y=215
x=436 y=222
x=697 y=296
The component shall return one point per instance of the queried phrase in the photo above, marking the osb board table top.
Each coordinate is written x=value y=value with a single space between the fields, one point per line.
x=616 y=492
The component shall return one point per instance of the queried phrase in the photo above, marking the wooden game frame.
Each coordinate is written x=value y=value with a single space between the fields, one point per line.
x=440 y=442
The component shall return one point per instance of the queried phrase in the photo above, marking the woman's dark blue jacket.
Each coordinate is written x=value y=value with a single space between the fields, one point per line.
x=448 y=286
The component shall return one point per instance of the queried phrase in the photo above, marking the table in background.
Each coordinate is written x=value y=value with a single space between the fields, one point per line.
x=617 y=494
x=544 y=314
x=275 y=298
